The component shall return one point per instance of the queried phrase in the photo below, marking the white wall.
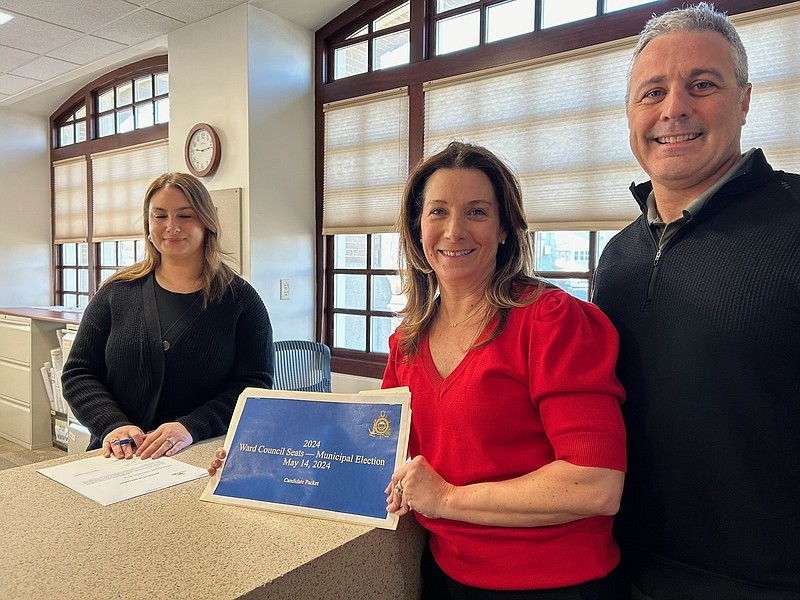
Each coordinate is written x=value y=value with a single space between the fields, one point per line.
x=208 y=83
x=25 y=202
x=249 y=74
x=281 y=166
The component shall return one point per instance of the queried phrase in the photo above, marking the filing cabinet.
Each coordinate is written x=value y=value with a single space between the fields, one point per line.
x=27 y=335
x=25 y=345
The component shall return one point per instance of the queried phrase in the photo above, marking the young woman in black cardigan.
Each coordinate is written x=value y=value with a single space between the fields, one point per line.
x=166 y=345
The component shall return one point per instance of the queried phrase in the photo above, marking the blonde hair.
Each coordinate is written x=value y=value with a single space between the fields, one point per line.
x=216 y=276
x=513 y=275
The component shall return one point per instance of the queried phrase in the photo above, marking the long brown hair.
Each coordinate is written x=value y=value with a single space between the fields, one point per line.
x=513 y=276
x=216 y=276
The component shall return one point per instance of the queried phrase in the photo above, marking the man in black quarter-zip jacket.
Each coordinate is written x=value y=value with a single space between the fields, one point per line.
x=704 y=289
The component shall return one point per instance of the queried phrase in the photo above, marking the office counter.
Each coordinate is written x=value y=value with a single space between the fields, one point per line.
x=168 y=544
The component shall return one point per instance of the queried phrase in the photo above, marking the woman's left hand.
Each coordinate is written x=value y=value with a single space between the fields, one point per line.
x=167 y=440
x=417 y=486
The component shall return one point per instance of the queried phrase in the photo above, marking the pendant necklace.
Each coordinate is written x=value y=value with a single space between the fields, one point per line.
x=467 y=318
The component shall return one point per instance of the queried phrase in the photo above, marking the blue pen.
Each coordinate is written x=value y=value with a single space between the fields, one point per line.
x=125 y=441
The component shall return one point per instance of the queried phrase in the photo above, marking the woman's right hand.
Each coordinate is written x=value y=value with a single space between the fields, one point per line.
x=123 y=441
x=219 y=456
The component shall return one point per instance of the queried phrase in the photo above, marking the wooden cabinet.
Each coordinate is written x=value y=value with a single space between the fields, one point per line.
x=25 y=344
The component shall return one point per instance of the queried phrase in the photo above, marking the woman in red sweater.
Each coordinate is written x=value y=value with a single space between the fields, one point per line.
x=517 y=442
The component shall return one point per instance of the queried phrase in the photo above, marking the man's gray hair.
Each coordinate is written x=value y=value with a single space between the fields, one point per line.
x=702 y=16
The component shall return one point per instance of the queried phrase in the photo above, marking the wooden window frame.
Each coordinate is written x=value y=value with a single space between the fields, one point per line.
x=88 y=96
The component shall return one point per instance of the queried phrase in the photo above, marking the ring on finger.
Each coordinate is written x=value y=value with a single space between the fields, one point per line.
x=398 y=488
x=171 y=442
x=113 y=441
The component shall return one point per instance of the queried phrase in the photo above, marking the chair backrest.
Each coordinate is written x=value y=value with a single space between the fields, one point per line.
x=302 y=366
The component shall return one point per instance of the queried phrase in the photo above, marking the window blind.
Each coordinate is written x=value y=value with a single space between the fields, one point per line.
x=560 y=121
x=120 y=179
x=70 y=201
x=770 y=37
x=365 y=163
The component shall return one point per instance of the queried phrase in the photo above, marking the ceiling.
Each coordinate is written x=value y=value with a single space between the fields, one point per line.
x=52 y=48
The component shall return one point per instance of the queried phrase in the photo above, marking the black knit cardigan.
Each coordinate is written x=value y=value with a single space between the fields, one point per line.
x=117 y=365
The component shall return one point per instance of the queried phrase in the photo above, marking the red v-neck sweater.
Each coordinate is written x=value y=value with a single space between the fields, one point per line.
x=545 y=389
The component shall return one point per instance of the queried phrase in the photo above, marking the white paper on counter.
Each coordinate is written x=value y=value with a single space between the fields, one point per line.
x=111 y=480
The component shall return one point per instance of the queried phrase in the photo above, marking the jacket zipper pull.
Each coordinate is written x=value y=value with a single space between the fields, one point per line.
x=658 y=255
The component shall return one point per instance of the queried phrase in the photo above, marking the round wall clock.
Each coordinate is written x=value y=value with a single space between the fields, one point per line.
x=203 y=150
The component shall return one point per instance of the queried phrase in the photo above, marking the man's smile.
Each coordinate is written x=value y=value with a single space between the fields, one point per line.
x=674 y=139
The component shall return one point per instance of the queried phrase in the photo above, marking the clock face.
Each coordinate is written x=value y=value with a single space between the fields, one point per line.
x=202 y=150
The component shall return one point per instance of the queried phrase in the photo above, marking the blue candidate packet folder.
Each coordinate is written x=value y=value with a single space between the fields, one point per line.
x=315 y=454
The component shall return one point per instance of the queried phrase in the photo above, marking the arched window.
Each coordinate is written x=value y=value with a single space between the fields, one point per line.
x=109 y=141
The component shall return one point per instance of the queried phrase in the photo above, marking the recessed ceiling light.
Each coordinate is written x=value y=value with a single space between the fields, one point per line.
x=5 y=17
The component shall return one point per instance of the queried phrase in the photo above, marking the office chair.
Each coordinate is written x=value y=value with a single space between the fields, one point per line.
x=302 y=366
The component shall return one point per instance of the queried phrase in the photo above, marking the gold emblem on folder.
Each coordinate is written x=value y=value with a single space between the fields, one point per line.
x=381 y=426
